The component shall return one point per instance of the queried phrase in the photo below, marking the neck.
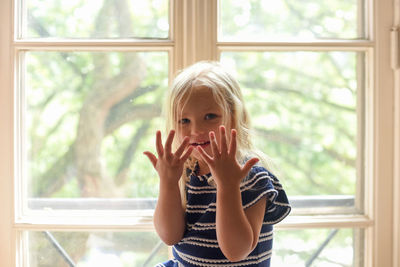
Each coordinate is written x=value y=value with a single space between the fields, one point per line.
x=203 y=168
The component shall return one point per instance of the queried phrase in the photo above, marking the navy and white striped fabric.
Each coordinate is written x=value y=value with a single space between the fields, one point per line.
x=199 y=247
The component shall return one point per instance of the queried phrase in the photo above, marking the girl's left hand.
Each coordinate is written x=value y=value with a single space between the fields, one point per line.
x=223 y=164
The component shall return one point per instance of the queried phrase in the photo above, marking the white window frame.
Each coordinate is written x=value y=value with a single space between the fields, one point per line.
x=193 y=40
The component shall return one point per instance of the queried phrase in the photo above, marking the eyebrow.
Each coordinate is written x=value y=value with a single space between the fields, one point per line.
x=206 y=109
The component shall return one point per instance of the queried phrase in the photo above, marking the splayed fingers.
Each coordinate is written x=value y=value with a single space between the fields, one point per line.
x=222 y=162
x=168 y=164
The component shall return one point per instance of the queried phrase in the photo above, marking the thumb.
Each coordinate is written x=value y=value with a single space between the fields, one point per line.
x=151 y=157
x=248 y=165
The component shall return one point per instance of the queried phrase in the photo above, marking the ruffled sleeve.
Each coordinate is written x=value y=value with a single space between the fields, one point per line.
x=260 y=182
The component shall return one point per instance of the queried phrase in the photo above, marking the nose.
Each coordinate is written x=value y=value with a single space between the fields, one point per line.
x=198 y=128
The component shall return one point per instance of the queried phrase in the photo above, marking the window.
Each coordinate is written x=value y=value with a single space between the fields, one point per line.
x=307 y=105
x=81 y=87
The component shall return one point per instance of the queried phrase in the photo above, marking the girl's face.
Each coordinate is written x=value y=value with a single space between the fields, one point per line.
x=200 y=115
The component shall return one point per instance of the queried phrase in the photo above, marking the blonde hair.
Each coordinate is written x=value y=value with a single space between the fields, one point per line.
x=227 y=94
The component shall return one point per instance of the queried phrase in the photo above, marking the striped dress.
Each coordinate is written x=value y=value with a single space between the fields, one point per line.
x=199 y=246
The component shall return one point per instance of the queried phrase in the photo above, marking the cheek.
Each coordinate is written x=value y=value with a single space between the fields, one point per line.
x=180 y=134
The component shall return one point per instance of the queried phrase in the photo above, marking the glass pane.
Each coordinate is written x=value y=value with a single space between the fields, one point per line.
x=303 y=107
x=87 y=249
x=89 y=117
x=96 y=19
x=258 y=20
x=318 y=247
x=292 y=248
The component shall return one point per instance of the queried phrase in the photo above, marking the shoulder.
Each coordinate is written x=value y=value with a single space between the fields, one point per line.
x=258 y=171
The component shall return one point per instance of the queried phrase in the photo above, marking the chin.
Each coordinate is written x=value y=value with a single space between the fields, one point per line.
x=196 y=155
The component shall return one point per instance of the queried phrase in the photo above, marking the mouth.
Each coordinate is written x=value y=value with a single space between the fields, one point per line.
x=202 y=144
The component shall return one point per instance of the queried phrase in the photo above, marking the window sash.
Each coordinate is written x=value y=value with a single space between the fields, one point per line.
x=20 y=8
x=196 y=14
x=363 y=28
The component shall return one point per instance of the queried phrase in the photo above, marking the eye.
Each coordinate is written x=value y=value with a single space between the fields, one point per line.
x=210 y=116
x=184 y=121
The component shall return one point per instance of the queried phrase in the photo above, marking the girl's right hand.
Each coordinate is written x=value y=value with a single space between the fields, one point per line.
x=168 y=165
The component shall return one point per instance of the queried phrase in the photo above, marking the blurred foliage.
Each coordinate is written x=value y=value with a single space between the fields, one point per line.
x=286 y=19
x=79 y=19
x=304 y=107
x=54 y=106
x=304 y=245
x=124 y=249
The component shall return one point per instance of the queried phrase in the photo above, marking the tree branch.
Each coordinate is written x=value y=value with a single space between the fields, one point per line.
x=124 y=168
x=280 y=137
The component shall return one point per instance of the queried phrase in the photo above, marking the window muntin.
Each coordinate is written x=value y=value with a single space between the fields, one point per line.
x=254 y=21
x=304 y=107
x=95 y=19
x=89 y=115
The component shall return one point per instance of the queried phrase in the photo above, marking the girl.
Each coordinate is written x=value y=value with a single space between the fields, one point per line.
x=216 y=205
